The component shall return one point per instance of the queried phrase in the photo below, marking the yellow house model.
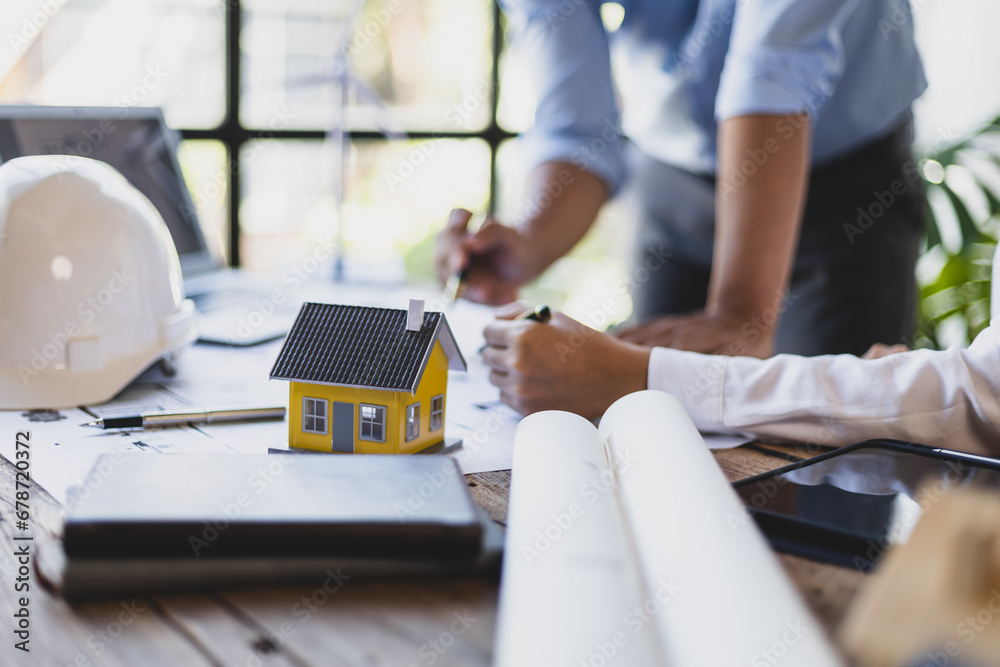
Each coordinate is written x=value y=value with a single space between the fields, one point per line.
x=367 y=380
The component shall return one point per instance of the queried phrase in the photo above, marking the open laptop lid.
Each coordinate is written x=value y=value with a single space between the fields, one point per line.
x=134 y=140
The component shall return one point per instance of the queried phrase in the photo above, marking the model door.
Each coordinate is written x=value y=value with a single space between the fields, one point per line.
x=342 y=427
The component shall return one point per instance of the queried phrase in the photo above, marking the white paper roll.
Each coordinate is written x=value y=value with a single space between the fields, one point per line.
x=734 y=604
x=568 y=584
x=654 y=562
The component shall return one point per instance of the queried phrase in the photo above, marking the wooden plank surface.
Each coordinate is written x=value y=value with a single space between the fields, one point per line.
x=343 y=622
x=440 y=622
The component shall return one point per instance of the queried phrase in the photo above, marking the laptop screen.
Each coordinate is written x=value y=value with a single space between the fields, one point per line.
x=135 y=141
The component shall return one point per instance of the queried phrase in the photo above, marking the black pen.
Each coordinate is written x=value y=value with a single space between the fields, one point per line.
x=540 y=314
x=453 y=287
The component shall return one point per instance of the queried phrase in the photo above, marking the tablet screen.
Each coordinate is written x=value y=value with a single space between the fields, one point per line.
x=859 y=502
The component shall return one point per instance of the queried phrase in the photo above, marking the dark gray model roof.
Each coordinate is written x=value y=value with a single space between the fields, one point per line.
x=361 y=346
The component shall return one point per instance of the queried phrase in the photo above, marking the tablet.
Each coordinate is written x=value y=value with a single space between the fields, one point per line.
x=849 y=506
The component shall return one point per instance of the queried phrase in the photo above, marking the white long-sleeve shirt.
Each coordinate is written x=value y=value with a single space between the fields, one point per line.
x=947 y=398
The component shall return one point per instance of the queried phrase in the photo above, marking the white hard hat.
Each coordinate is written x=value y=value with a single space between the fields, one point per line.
x=92 y=292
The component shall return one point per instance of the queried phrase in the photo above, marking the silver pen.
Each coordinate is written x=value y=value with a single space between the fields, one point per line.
x=148 y=419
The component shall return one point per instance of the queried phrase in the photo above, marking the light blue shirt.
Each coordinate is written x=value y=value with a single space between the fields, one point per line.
x=684 y=65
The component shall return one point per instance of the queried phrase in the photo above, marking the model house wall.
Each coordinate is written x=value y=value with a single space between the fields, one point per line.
x=349 y=425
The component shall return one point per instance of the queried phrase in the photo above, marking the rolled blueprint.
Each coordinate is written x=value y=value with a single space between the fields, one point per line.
x=662 y=567
x=568 y=584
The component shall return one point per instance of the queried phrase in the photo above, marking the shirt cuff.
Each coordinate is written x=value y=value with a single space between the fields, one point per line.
x=601 y=155
x=774 y=81
x=696 y=380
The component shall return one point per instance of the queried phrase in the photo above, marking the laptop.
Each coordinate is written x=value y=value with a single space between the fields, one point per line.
x=137 y=142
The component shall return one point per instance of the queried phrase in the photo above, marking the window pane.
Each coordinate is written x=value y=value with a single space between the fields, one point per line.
x=372 y=420
x=516 y=105
x=398 y=196
x=117 y=53
x=429 y=61
x=206 y=172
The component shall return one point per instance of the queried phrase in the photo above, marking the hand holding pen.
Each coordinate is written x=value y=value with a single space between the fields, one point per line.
x=561 y=365
x=539 y=314
x=486 y=266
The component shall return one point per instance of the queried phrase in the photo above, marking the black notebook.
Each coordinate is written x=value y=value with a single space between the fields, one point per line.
x=170 y=521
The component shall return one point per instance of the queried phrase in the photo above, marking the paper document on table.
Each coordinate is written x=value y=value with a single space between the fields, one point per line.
x=63 y=451
x=721 y=441
x=61 y=459
x=476 y=415
x=628 y=543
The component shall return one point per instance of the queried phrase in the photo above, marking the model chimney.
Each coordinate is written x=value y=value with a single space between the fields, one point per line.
x=415 y=317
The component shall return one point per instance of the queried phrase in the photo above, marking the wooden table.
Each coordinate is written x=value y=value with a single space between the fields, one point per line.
x=396 y=624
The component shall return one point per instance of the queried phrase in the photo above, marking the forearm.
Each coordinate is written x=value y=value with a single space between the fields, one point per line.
x=939 y=398
x=563 y=202
x=763 y=168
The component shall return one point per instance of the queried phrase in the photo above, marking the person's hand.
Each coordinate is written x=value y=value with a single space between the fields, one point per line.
x=710 y=333
x=879 y=350
x=494 y=257
x=561 y=365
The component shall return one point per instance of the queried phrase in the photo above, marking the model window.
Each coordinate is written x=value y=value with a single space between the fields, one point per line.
x=437 y=412
x=371 y=425
x=314 y=415
x=412 y=421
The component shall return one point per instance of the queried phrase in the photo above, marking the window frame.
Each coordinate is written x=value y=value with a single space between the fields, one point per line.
x=233 y=135
x=437 y=414
x=412 y=420
x=380 y=410
x=313 y=401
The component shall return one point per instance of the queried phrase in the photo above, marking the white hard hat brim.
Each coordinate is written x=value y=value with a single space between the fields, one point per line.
x=29 y=388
